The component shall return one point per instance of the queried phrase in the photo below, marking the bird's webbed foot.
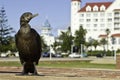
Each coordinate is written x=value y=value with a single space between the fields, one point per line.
x=24 y=72
x=35 y=70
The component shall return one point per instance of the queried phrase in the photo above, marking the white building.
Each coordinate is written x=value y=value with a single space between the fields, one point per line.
x=96 y=17
x=46 y=33
x=61 y=30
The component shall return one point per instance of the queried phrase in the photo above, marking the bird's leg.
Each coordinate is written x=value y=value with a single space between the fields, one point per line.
x=24 y=69
x=35 y=70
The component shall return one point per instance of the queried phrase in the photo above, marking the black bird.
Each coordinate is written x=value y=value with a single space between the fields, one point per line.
x=28 y=43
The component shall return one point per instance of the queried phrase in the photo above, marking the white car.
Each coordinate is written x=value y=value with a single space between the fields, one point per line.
x=74 y=55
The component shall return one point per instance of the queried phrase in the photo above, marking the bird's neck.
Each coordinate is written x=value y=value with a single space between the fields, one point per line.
x=25 y=28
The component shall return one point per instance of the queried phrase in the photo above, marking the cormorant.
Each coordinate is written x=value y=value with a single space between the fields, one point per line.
x=28 y=43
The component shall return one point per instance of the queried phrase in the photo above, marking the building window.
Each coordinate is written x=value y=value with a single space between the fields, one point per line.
x=102 y=8
x=95 y=20
x=109 y=24
x=81 y=24
x=88 y=25
x=102 y=20
x=88 y=29
x=117 y=19
x=95 y=8
x=74 y=3
x=102 y=14
x=95 y=25
x=95 y=14
x=109 y=14
x=88 y=15
x=109 y=19
x=88 y=8
x=113 y=40
x=116 y=13
x=95 y=29
x=116 y=24
x=119 y=41
x=81 y=15
x=81 y=20
x=88 y=20
x=102 y=25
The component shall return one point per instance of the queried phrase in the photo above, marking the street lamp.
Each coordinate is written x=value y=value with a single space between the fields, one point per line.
x=107 y=32
x=81 y=50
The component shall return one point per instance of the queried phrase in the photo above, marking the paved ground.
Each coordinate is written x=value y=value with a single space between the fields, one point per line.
x=11 y=73
x=14 y=77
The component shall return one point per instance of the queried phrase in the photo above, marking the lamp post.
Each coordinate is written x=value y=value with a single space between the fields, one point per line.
x=107 y=32
x=81 y=50
x=114 y=53
x=72 y=45
x=71 y=48
x=50 y=52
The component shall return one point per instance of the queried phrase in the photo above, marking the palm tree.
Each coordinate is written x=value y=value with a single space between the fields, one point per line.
x=95 y=43
x=80 y=37
x=66 y=39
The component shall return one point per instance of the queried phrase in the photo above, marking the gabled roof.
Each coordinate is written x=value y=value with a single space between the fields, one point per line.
x=116 y=9
x=103 y=36
x=112 y=35
x=115 y=35
x=99 y=4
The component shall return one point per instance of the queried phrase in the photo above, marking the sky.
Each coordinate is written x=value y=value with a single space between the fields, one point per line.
x=56 y=11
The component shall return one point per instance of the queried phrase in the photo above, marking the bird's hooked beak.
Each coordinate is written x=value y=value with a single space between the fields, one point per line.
x=34 y=15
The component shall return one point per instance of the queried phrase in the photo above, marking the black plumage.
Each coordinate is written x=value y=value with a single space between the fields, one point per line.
x=28 y=43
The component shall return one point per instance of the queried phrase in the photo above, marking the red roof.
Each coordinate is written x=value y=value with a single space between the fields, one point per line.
x=99 y=4
x=76 y=0
x=116 y=9
x=103 y=35
x=115 y=35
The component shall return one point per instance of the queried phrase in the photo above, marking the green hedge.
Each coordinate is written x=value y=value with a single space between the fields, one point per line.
x=94 y=53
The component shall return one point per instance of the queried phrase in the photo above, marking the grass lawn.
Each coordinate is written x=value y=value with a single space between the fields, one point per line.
x=62 y=64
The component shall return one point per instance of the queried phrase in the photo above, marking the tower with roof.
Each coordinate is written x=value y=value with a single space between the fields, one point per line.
x=75 y=7
x=46 y=33
x=46 y=29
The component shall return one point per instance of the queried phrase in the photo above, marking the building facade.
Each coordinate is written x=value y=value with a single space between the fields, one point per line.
x=96 y=17
x=46 y=33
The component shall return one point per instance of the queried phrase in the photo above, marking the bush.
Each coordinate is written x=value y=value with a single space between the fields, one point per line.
x=94 y=53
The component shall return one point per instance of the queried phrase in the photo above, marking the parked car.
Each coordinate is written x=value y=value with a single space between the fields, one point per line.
x=74 y=55
x=99 y=55
x=3 y=55
x=84 y=55
x=45 y=54
x=58 y=55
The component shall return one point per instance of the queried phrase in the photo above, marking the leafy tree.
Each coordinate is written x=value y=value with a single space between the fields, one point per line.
x=66 y=39
x=55 y=46
x=5 y=31
x=103 y=41
x=80 y=37
x=95 y=43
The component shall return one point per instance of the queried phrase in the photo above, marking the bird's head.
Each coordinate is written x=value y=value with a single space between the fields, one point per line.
x=26 y=17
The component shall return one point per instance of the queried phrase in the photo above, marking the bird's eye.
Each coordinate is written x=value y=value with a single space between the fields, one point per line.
x=27 y=15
